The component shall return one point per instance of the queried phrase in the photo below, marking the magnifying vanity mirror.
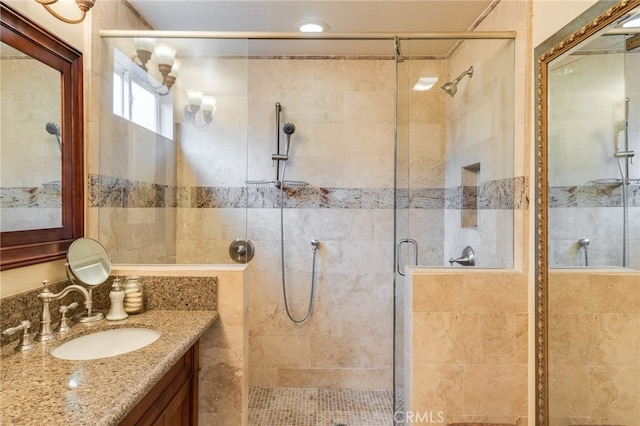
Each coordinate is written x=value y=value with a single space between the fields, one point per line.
x=41 y=170
x=90 y=264
x=588 y=277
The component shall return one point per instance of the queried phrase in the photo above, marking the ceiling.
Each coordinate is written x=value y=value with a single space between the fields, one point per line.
x=342 y=16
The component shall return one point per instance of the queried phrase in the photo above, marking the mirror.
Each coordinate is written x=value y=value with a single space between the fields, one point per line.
x=41 y=208
x=588 y=248
x=89 y=261
x=30 y=171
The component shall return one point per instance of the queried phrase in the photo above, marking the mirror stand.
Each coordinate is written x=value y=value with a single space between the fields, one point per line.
x=89 y=315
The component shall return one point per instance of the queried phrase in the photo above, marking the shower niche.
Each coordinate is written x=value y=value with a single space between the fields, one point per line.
x=469 y=193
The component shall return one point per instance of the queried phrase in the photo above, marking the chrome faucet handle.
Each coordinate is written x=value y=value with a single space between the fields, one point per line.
x=26 y=339
x=468 y=258
x=64 y=326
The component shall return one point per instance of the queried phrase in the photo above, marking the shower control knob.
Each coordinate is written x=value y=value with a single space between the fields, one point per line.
x=241 y=250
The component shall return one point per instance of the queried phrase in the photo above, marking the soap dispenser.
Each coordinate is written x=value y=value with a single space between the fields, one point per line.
x=116 y=312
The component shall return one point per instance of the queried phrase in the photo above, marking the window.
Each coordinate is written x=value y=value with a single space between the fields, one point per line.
x=139 y=98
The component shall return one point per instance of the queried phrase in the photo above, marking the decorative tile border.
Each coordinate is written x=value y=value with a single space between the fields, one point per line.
x=107 y=191
x=30 y=196
x=592 y=196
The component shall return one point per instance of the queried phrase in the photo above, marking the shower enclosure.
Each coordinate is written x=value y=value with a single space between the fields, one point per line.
x=382 y=164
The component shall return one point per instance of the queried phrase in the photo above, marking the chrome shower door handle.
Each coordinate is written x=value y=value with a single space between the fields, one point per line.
x=414 y=243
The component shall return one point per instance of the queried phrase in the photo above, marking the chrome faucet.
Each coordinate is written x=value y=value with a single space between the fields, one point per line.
x=45 y=332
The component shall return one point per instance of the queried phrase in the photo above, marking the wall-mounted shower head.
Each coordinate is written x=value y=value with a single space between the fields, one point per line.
x=451 y=87
x=288 y=128
x=54 y=129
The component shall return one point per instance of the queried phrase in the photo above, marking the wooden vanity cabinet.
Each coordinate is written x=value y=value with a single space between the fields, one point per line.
x=173 y=401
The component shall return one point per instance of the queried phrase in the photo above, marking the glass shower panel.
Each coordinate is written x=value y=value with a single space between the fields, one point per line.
x=401 y=222
x=460 y=152
x=334 y=186
x=176 y=194
x=455 y=184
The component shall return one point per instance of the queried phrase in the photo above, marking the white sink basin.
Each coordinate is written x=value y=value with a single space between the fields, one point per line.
x=104 y=344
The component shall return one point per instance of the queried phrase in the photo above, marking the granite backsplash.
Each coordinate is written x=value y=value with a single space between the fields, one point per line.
x=161 y=292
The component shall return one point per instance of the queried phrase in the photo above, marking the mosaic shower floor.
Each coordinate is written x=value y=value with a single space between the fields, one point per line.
x=319 y=407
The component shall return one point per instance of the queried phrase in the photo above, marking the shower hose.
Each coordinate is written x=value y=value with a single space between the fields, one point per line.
x=314 y=245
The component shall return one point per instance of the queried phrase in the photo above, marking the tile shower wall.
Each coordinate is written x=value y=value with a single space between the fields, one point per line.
x=594 y=343
x=478 y=137
x=466 y=345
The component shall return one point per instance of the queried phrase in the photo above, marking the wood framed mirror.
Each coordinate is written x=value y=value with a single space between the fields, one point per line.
x=588 y=221
x=63 y=194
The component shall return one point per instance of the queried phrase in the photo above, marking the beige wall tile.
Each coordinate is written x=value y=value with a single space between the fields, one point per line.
x=569 y=293
x=438 y=387
x=616 y=340
x=570 y=338
x=614 y=391
x=489 y=338
x=610 y=293
x=495 y=293
x=492 y=390
x=438 y=337
x=568 y=390
x=522 y=339
x=310 y=378
x=438 y=293
x=367 y=378
x=471 y=364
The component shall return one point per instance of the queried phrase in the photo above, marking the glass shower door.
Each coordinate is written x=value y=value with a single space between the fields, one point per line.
x=401 y=226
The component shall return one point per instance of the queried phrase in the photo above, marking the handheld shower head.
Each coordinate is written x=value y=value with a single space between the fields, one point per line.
x=52 y=128
x=288 y=128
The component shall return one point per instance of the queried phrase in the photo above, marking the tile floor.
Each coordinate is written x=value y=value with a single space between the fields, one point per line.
x=319 y=407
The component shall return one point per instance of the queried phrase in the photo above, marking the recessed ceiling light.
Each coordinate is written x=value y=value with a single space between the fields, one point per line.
x=312 y=26
x=425 y=83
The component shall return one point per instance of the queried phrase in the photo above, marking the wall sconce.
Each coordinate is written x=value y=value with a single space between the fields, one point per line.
x=165 y=56
x=197 y=101
x=83 y=5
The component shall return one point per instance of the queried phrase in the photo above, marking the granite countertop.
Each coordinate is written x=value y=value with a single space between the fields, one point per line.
x=37 y=388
